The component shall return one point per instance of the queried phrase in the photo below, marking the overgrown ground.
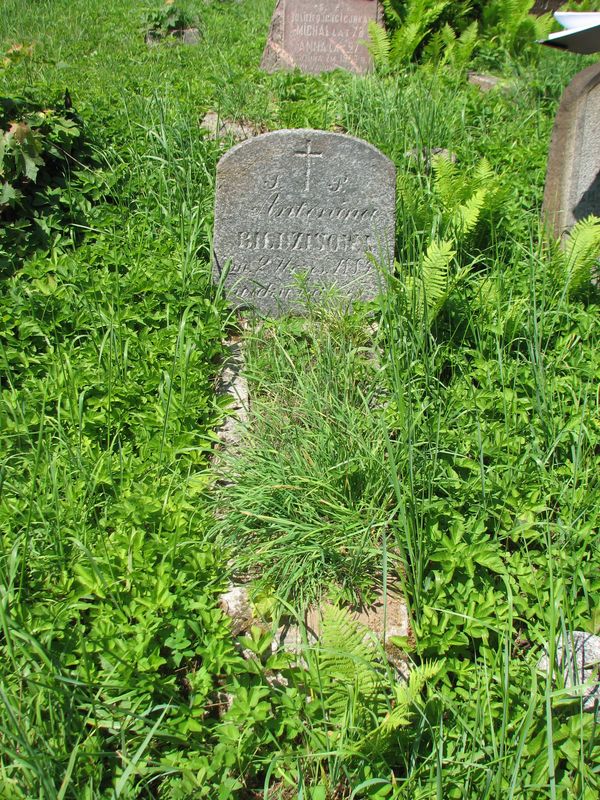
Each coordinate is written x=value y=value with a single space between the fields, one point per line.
x=447 y=435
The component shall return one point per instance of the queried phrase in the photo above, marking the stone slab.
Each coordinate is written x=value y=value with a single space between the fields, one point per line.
x=320 y=36
x=220 y=128
x=302 y=202
x=484 y=82
x=573 y=177
x=233 y=384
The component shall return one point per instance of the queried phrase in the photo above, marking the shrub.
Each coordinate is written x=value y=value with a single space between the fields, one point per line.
x=40 y=149
x=167 y=20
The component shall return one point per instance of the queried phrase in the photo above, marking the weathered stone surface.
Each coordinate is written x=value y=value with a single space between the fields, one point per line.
x=484 y=82
x=302 y=202
x=546 y=6
x=221 y=128
x=320 y=37
x=235 y=602
x=578 y=661
x=573 y=177
x=190 y=36
x=387 y=617
x=233 y=384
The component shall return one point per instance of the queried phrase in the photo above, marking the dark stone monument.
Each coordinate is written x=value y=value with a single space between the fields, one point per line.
x=573 y=177
x=320 y=36
x=302 y=202
x=546 y=6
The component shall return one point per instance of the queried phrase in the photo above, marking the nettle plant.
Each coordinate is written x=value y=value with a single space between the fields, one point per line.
x=39 y=140
x=40 y=149
x=168 y=20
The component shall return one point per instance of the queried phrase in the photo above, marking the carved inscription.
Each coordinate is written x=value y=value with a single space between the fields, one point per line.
x=330 y=212
x=320 y=36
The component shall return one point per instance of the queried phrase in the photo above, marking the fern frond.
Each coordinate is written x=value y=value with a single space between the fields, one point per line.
x=483 y=174
x=440 y=47
x=379 y=45
x=407 y=696
x=348 y=663
x=424 y=12
x=390 y=12
x=419 y=16
x=581 y=254
x=465 y=44
x=404 y=43
x=413 y=294
x=543 y=26
x=445 y=180
x=434 y=275
x=466 y=216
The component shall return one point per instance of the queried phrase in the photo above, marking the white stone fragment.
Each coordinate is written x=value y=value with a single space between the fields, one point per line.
x=577 y=659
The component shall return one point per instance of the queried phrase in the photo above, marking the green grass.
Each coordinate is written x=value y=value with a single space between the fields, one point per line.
x=311 y=488
x=451 y=443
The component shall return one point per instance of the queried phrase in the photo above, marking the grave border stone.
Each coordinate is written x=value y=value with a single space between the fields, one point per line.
x=565 y=144
x=275 y=56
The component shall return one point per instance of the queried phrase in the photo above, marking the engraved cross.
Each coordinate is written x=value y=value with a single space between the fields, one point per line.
x=307 y=154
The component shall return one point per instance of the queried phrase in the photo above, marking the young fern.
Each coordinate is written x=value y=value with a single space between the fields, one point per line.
x=379 y=45
x=406 y=699
x=464 y=198
x=348 y=664
x=427 y=292
x=445 y=48
x=420 y=15
x=464 y=219
x=391 y=15
x=581 y=255
x=511 y=25
x=353 y=682
x=396 y=49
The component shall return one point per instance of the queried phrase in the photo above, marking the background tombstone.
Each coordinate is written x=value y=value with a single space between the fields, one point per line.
x=302 y=201
x=320 y=36
x=573 y=178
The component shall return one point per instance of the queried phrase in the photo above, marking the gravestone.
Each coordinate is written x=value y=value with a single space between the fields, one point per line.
x=573 y=178
x=302 y=202
x=320 y=37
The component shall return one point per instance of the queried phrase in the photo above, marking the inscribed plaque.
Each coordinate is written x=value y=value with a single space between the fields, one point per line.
x=320 y=36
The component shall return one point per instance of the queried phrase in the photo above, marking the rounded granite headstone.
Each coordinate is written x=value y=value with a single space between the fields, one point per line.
x=573 y=177
x=303 y=203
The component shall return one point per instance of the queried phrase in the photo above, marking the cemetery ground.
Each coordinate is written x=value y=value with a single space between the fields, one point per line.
x=444 y=439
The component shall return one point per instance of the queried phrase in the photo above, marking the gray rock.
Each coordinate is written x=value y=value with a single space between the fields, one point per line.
x=235 y=602
x=303 y=202
x=484 y=82
x=578 y=661
x=320 y=37
x=221 y=128
x=190 y=36
x=425 y=155
x=233 y=383
x=573 y=177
